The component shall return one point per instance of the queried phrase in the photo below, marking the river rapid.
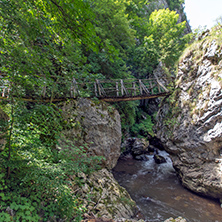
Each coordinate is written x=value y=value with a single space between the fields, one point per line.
x=159 y=194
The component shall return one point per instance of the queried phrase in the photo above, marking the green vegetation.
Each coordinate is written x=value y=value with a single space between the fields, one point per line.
x=175 y=4
x=48 y=43
x=36 y=173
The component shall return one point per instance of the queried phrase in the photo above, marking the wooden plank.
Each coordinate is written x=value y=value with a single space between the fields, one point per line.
x=133 y=98
x=158 y=82
x=75 y=88
x=97 y=82
x=43 y=91
x=95 y=88
x=121 y=84
x=140 y=86
x=159 y=91
x=144 y=88
x=100 y=88
x=134 y=88
x=117 y=89
x=151 y=87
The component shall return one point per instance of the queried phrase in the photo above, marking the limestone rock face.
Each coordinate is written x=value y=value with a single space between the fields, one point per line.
x=96 y=124
x=190 y=120
x=106 y=198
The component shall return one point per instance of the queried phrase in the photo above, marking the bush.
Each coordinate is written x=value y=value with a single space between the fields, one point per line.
x=143 y=128
x=35 y=174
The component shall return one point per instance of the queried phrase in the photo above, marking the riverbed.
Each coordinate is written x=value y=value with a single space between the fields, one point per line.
x=160 y=195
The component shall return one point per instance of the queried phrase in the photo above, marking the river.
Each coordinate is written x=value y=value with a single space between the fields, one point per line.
x=159 y=194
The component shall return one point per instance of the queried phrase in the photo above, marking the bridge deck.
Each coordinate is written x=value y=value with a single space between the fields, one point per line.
x=133 y=98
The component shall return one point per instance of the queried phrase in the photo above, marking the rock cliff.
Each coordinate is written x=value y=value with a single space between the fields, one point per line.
x=190 y=120
x=104 y=197
x=96 y=124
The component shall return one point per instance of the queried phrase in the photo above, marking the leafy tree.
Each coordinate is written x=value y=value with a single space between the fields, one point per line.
x=41 y=44
x=167 y=35
x=113 y=28
x=47 y=43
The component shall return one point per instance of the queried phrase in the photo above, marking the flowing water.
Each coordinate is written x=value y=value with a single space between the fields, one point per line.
x=159 y=194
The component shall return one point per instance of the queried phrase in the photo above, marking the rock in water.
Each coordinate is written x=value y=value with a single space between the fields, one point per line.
x=159 y=159
x=137 y=147
x=190 y=120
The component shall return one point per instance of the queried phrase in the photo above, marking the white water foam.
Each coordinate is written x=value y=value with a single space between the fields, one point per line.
x=159 y=171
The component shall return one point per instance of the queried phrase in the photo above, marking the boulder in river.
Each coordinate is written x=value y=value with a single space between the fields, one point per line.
x=159 y=159
x=137 y=147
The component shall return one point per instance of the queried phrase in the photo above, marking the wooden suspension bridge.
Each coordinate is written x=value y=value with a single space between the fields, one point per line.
x=106 y=90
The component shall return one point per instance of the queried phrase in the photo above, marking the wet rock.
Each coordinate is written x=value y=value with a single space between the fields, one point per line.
x=142 y=157
x=159 y=159
x=94 y=124
x=189 y=122
x=151 y=149
x=156 y=142
x=136 y=147
x=139 y=147
x=127 y=145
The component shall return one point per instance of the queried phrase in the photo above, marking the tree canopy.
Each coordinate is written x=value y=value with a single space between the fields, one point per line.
x=49 y=42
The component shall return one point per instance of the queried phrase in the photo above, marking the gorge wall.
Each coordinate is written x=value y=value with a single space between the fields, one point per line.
x=96 y=124
x=190 y=120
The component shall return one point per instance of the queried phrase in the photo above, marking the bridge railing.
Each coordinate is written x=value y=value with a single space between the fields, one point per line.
x=128 y=87
x=72 y=88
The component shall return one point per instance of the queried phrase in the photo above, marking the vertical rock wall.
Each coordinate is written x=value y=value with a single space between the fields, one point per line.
x=190 y=120
x=96 y=124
